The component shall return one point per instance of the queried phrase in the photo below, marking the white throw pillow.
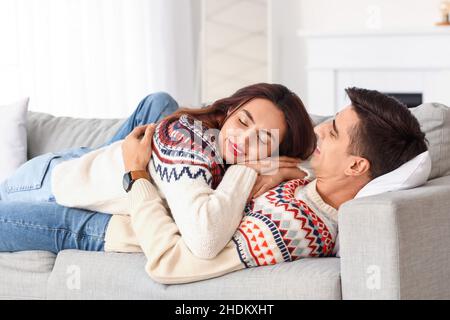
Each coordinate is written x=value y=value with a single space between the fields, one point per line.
x=13 y=137
x=411 y=174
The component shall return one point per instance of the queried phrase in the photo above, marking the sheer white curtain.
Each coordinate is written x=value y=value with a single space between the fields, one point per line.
x=97 y=58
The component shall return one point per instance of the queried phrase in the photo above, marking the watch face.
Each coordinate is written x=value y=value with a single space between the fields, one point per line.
x=126 y=181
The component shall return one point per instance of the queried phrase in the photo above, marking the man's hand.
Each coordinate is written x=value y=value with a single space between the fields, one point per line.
x=137 y=151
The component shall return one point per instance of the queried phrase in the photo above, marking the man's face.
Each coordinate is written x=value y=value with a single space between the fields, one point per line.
x=331 y=158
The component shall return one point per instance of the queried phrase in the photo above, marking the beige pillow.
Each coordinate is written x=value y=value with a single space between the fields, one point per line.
x=434 y=119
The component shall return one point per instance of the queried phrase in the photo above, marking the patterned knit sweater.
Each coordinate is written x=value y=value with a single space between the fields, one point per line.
x=286 y=223
x=206 y=202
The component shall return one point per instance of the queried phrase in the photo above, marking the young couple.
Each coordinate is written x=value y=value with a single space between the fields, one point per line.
x=199 y=202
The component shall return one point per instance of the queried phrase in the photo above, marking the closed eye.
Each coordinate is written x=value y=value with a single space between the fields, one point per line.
x=244 y=124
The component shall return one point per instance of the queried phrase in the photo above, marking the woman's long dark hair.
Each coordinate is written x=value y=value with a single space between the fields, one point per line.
x=299 y=140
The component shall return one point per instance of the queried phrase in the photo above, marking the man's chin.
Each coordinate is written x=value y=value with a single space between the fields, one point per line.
x=314 y=163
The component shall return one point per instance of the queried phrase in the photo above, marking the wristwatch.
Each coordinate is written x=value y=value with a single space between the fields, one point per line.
x=130 y=177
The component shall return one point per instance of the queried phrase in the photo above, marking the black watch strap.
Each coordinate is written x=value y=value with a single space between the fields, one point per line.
x=130 y=177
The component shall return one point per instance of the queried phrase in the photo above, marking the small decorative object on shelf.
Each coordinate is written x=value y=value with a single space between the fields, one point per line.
x=445 y=11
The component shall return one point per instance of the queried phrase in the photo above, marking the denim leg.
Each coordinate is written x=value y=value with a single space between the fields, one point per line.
x=50 y=227
x=151 y=109
x=32 y=180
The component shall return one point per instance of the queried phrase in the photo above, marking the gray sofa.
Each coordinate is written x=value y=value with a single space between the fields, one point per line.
x=392 y=246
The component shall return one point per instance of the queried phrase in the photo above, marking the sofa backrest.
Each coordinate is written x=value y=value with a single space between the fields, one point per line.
x=47 y=133
x=434 y=119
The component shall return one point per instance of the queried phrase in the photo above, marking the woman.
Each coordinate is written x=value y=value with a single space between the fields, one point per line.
x=205 y=195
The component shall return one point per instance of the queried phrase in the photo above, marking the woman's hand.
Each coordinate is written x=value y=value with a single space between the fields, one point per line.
x=271 y=164
x=137 y=151
x=268 y=181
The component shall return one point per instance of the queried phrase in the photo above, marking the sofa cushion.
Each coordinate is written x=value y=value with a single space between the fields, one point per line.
x=24 y=275
x=434 y=119
x=122 y=276
x=47 y=133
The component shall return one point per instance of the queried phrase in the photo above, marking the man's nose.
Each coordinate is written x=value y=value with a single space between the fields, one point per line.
x=318 y=130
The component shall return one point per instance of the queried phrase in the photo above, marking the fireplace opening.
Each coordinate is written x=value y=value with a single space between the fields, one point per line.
x=412 y=100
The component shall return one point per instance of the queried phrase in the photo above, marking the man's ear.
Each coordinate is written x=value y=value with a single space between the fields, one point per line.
x=358 y=167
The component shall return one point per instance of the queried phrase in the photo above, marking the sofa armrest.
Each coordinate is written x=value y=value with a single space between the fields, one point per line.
x=397 y=245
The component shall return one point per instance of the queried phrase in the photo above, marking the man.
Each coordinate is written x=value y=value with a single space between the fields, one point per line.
x=372 y=136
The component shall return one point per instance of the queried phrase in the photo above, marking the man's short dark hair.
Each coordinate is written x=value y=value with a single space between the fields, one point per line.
x=388 y=134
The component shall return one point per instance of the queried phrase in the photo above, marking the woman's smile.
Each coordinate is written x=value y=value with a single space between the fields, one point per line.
x=234 y=148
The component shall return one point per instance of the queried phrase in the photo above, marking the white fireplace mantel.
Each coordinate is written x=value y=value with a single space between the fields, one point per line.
x=401 y=60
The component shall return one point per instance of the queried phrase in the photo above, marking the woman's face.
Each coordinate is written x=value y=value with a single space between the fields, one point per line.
x=252 y=132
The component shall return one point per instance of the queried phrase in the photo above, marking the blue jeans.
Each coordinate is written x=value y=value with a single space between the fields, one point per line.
x=30 y=219
x=151 y=109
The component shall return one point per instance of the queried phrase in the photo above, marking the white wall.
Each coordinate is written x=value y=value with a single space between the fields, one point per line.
x=287 y=51
x=334 y=15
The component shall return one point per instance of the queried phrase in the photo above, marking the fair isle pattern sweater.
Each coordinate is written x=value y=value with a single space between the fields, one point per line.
x=206 y=203
x=185 y=147
x=278 y=227
x=286 y=223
